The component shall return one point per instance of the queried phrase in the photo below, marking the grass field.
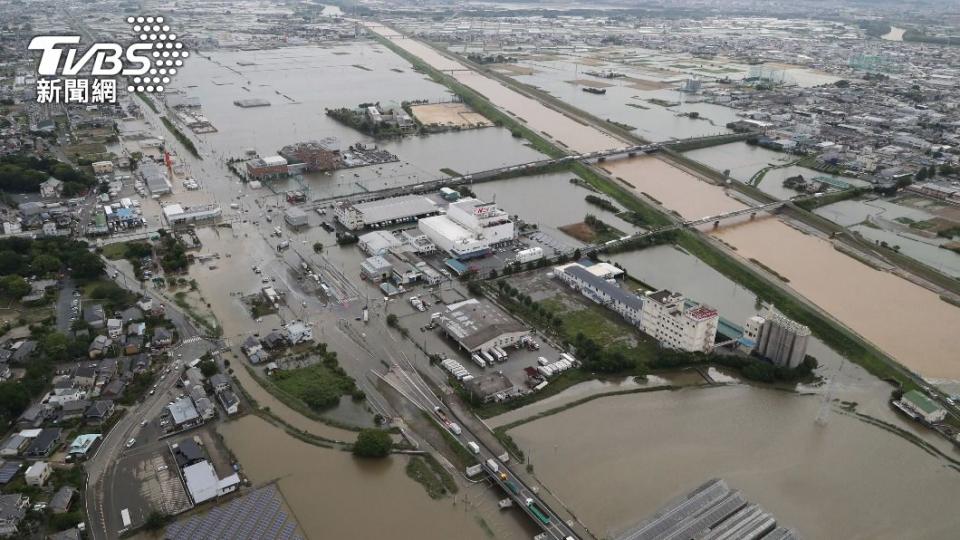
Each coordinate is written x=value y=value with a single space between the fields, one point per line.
x=319 y=386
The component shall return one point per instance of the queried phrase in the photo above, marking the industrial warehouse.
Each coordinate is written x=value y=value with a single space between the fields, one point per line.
x=384 y=212
x=477 y=325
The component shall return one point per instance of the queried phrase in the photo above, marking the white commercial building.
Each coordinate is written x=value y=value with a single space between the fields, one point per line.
x=469 y=228
x=203 y=483
x=668 y=318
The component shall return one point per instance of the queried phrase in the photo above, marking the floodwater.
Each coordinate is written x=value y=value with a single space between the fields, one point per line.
x=334 y=495
x=907 y=321
x=847 y=479
x=744 y=160
x=302 y=82
x=558 y=126
x=566 y=202
x=895 y=34
x=628 y=105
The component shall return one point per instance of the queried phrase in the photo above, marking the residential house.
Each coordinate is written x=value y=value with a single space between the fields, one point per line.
x=229 y=401
x=73 y=409
x=22 y=351
x=162 y=337
x=100 y=411
x=44 y=443
x=85 y=376
x=254 y=350
x=14 y=445
x=51 y=188
x=133 y=345
x=13 y=508
x=99 y=346
x=219 y=382
x=114 y=328
x=37 y=474
x=60 y=502
x=34 y=416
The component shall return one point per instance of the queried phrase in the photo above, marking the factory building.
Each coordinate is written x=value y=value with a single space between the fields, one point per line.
x=470 y=228
x=478 y=325
x=155 y=177
x=376 y=268
x=378 y=242
x=266 y=168
x=311 y=156
x=597 y=288
x=777 y=338
x=677 y=324
x=384 y=212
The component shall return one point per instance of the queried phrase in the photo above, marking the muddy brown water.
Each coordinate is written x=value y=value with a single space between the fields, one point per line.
x=847 y=479
x=334 y=495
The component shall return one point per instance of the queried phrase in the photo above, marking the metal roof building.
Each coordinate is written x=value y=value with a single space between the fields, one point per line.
x=479 y=325
x=384 y=211
x=182 y=411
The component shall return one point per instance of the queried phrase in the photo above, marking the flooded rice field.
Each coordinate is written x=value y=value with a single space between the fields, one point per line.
x=302 y=82
x=745 y=160
x=559 y=126
x=845 y=479
x=334 y=495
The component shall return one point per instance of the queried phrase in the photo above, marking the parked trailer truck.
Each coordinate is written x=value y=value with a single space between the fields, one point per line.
x=487 y=356
x=478 y=361
x=474 y=447
x=503 y=353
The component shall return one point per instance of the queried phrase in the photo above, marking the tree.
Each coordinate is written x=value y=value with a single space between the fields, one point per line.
x=372 y=443
x=317 y=247
x=156 y=520
x=208 y=367
x=86 y=265
x=392 y=320
x=14 y=286
x=921 y=175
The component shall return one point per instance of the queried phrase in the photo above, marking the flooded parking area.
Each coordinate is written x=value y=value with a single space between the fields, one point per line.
x=845 y=479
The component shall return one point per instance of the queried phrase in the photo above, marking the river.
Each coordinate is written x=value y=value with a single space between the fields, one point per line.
x=847 y=479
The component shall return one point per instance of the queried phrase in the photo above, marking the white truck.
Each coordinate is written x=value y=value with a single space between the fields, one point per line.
x=474 y=447
x=478 y=361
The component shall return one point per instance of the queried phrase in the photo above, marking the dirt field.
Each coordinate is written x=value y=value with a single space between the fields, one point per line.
x=514 y=69
x=449 y=114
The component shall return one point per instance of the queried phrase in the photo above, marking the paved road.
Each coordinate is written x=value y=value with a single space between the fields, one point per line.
x=103 y=513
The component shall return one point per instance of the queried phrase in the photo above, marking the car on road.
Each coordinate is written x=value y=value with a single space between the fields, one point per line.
x=131 y=442
x=145 y=422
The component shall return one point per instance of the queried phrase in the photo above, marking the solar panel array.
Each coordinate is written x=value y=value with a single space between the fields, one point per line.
x=8 y=471
x=255 y=516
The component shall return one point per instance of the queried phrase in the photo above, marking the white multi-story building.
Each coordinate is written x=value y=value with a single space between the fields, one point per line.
x=667 y=317
x=469 y=228
x=587 y=281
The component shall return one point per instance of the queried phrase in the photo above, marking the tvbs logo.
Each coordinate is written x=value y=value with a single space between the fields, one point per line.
x=148 y=64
